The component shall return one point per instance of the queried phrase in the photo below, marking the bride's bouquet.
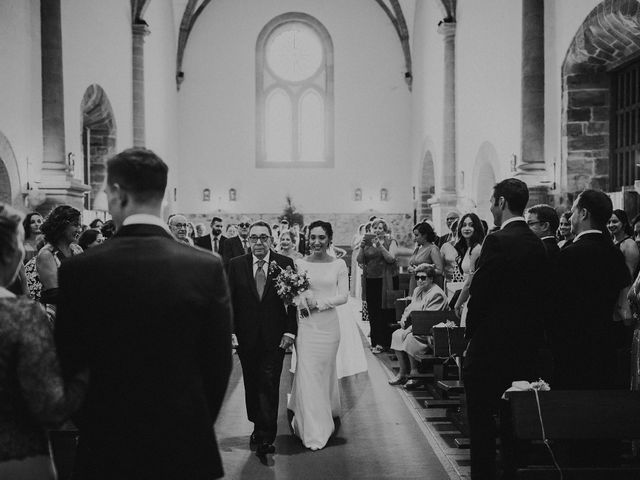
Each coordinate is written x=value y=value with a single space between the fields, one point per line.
x=292 y=287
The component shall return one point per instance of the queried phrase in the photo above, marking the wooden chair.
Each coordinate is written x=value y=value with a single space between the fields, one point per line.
x=581 y=427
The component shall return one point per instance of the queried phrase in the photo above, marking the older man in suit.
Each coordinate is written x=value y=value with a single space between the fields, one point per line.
x=504 y=328
x=593 y=273
x=265 y=328
x=214 y=242
x=158 y=348
x=239 y=245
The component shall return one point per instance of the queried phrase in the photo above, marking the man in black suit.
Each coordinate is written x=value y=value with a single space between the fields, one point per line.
x=543 y=220
x=265 y=328
x=215 y=241
x=150 y=318
x=236 y=246
x=450 y=219
x=504 y=327
x=593 y=272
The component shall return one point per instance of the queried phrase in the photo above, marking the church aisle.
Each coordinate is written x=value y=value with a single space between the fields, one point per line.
x=378 y=437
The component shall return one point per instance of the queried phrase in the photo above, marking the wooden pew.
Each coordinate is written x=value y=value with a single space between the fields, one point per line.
x=585 y=430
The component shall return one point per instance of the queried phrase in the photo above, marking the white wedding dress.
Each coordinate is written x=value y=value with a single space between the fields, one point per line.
x=315 y=395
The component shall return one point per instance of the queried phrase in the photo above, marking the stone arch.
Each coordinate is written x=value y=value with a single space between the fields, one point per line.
x=484 y=178
x=98 y=139
x=607 y=39
x=427 y=186
x=10 y=191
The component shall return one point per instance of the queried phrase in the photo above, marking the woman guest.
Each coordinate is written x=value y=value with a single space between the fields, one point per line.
x=61 y=229
x=426 y=296
x=34 y=395
x=232 y=231
x=96 y=224
x=565 y=234
x=426 y=253
x=108 y=229
x=470 y=237
x=89 y=239
x=452 y=273
x=32 y=235
x=622 y=236
x=355 y=287
x=286 y=245
x=378 y=257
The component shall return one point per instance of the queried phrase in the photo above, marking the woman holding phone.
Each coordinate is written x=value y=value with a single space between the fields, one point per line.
x=377 y=255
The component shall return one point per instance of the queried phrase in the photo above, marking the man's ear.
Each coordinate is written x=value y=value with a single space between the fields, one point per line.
x=502 y=203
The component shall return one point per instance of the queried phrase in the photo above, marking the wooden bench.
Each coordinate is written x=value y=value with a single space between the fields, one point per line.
x=584 y=428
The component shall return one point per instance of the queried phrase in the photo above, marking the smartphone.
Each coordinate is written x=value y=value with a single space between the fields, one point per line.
x=368 y=238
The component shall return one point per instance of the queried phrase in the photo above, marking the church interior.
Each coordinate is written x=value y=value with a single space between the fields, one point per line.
x=348 y=109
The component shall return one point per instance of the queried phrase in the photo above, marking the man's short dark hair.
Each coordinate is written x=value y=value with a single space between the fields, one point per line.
x=215 y=219
x=140 y=172
x=515 y=193
x=599 y=206
x=261 y=223
x=548 y=214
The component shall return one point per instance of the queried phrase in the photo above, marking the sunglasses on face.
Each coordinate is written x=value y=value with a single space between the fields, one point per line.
x=244 y=225
x=421 y=277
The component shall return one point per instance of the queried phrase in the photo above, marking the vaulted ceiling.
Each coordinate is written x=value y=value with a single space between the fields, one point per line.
x=187 y=12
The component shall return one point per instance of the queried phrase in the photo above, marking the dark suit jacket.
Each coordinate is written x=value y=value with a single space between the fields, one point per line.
x=302 y=244
x=150 y=317
x=206 y=243
x=259 y=322
x=504 y=323
x=592 y=272
x=232 y=248
x=552 y=250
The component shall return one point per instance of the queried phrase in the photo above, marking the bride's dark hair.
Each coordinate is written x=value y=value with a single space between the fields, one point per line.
x=326 y=226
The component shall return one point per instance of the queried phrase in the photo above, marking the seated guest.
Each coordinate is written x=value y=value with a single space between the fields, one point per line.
x=593 y=272
x=565 y=234
x=32 y=223
x=90 y=238
x=408 y=348
x=286 y=245
x=34 y=395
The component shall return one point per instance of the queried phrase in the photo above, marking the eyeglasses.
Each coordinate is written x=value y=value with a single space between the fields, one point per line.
x=262 y=238
x=421 y=277
x=180 y=225
x=244 y=225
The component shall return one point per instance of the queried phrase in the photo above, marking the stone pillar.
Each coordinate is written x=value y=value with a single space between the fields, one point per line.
x=139 y=31
x=57 y=180
x=447 y=198
x=532 y=168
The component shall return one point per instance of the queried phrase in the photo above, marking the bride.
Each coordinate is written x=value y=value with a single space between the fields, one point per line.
x=315 y=397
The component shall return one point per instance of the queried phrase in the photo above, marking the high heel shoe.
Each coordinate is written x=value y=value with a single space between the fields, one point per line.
x=399 y=380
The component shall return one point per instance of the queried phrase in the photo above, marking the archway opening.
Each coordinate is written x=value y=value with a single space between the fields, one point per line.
x=600 y=144
x=98 y=140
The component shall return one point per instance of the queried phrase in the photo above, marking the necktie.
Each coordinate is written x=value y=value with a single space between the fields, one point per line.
x=244 y=245
x=215 y=244
x=261 y=278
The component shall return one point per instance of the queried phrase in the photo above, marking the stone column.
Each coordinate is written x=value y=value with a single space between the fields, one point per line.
x=139 y=31
x=532 y=168
x=57 y=180
x=447 y=197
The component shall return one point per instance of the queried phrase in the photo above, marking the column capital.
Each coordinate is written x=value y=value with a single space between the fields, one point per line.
x=447 y=29
x=140 y=29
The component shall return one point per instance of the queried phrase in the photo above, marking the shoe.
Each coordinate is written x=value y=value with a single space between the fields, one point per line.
x=377 y=350
x=398 y=380
x=265 y=448
x=412 y=385
x=253 y=441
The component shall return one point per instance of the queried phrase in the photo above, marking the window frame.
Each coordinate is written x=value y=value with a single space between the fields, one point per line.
x=296 y=91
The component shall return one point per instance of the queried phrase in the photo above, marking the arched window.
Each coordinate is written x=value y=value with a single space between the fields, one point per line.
x=294 y=93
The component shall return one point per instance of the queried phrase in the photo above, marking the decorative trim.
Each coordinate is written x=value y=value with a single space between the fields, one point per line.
x=400 y=24
x=189 y=17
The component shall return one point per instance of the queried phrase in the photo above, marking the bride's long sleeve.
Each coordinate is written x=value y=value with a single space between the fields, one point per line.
x=342 y=292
